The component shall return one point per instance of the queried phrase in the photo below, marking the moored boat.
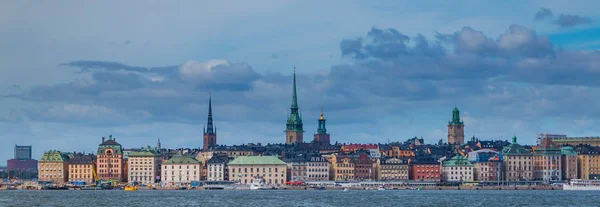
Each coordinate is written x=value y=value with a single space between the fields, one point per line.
x=130 y=188
x=578 y=184
x=258 y=184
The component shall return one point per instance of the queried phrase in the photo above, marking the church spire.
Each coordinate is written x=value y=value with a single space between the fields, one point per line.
x=321 y=129
x=209 y=124
x=294 y=95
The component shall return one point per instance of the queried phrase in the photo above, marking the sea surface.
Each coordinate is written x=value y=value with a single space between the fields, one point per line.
x=272 y=198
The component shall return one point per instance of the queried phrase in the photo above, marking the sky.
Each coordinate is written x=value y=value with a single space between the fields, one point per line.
x=72 y=72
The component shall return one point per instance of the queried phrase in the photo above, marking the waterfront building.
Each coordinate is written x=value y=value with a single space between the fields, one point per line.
x=569 y=163
x=547 y=161
x=456 y=129
x=22 y=164
x=322 y=137
x=245 y=168
x=210 y=132
x=216 y=168
x=81 y=168
x=517 y=162
x=110 y=160
x=293 y=128
x=317 y=168
x=425 y=168
x=144 y=166
x=457 y=169
x=297 y=166
x=393 y=169
x=342 y=167
x=180 y=170
x=487 y=165
x=53 y=166
x=573 y=141
x=588 y=162
x=364 y=167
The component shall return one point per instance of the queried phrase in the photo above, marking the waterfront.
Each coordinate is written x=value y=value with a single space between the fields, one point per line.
x=301 y=198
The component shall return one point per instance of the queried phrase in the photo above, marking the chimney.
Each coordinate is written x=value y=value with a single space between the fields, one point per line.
x=102 y=139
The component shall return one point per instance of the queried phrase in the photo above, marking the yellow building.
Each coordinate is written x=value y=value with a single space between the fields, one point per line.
x=342 y=167
x=81 y=168
x=588 y=165
x=245 y=168
x=53 y=166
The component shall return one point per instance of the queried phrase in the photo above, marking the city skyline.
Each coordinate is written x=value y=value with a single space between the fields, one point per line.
x=383 y=71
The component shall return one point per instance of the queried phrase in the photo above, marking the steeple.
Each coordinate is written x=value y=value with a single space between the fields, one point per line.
x=209 y=124
x=294 y=94
x=455 y=117
x=321 y=129
x=293 y=129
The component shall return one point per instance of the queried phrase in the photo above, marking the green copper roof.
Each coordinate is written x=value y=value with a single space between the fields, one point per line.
x=257 y=160
x=144 y=153
x=515 y=149
x=182 y=159
x=294 y=122
x=455 y=117
x=53 y=156
x=567 y=150
x=457 y=160
x=112 y=144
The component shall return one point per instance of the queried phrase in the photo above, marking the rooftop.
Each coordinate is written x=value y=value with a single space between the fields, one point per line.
x=257 y=160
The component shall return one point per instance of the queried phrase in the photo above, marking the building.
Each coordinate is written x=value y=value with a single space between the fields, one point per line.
x=456 y=129
x=425 y=169
x=322 y=137
x=588 y=162
x=298 y=167
x=547 y=161
x=317 y=169
x=573 y=141
x=569 y=163
x=53 y=166
x=293 y=130
x=81 y=168
x=349 y=148
x=216 y=168
x=487 y=165
x=457 y=169
x=541 y=136
x=517 y=162
x=180 y=170
x=22 y=152
x=110 y=164
x=210 y=133
x=399 y=151
x=393 y=169
x=364 y=167
x=144 y=166
x=245 y=168
x=342 y=167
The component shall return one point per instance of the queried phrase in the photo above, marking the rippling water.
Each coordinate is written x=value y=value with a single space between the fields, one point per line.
x=301 y=198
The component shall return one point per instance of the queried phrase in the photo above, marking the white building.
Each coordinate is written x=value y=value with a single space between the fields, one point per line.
x=144 y=166
x=457 y=169
x=317 y=169
x=181 y=170
x=216 y=168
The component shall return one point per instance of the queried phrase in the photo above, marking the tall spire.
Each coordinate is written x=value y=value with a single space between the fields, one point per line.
x=321 y=128
x=294 y=95
x=456 y=117
x=209 y=127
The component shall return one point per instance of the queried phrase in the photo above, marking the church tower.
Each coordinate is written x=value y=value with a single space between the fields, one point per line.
x=293 y=127
x=456 y=129
x=321 y=136
x=210 y=131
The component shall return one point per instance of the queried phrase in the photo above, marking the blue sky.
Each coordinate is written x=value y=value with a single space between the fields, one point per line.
x=74 y=71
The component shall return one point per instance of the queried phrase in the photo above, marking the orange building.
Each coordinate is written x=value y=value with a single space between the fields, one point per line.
x=355 y=147
x=110 y=160
x=425 y=169
x=397 y=152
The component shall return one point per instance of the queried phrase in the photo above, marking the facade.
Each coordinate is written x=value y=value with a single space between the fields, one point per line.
x=216 y=168
x=349 y=148
x=298 y=168
x=210 y=133
x=573 y=141
x=541 y=136
x=317 y=169
x=364 y=167
x=294 y=128
x=22 y=152
x=517 y=161
x=393 y=169
x=53 y=166
x=245 y=168
x=487 y=165
x=22 y=165
x=81 y=168
x=322 y=137
x=144 y=167
x=456 y=129
x=547 y=161
x=588 y=162
x=425 y=169
x=342 y=167
x=569 y=163
x=457 y=169
x=180 y=170
x=398 y=151
x=110 y=164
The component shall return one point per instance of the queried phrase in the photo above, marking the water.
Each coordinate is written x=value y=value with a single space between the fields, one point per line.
x=302 y=198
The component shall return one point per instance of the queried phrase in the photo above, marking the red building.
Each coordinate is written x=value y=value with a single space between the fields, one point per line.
x=425 y=169
x=364 y=168
x=22 y=165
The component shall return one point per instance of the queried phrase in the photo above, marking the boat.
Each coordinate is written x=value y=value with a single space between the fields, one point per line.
x=258 y=184
x=346 y=189
x=130 y=188
x=214 y=187
x=579 y=184
x=381 y=188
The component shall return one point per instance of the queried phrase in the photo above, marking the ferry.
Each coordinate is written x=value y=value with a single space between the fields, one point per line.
x=258 y=184
x=578 y=184
x=130 y=188
x=381 y=187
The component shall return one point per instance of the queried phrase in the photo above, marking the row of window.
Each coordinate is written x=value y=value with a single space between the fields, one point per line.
x=252 y=170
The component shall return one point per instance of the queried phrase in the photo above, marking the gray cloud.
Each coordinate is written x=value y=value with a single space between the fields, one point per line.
x=568 y=20
x=543 y=13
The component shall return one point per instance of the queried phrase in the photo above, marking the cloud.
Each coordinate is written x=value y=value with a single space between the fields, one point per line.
x=543 y=13
x=568 y=20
